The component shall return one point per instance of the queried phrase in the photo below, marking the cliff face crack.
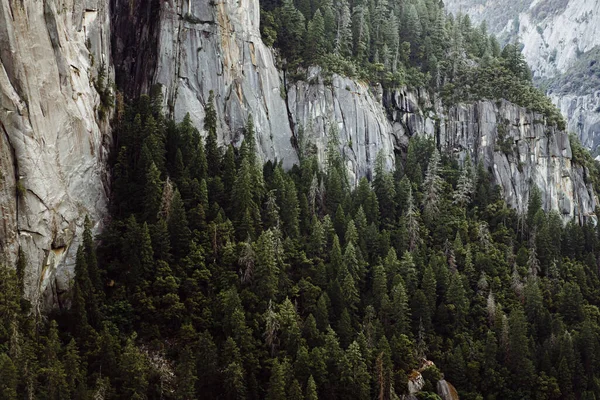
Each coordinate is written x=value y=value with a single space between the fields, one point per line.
x=30 y=232
x=15 y=169
x=294 y=138
x=39 y=199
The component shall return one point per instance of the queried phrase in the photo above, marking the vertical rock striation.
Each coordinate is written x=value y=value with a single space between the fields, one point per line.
x=350 y=107
x=513 y=143
x=52 y=149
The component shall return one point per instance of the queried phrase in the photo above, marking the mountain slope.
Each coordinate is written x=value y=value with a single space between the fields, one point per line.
x=560 y=42
x=54 y=146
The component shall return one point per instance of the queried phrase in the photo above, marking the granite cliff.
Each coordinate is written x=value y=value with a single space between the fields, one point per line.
x=53 y=143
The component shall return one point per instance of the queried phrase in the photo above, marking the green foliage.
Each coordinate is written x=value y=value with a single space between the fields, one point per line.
x=413 y=43
x=207 y=282
x=105 y=91
x=582 y=158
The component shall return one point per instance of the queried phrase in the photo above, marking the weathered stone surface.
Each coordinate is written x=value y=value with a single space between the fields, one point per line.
x=206 y=46
x=536 y=153
x=583 y=116
x=351 y=108
x=446 y=390
x=52 y=150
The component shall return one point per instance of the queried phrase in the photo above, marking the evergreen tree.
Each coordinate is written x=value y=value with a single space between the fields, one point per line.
x=133 y=371
x=9 y=378
x=213 y=154
x=432 y=186
x=311 y=390
x=315 y=34
x=277 y=382
x=179 y=230
x=186 y=376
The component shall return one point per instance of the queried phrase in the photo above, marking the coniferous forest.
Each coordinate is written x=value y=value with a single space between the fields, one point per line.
x=401 y=43
x=222 y=278
x=219 y=276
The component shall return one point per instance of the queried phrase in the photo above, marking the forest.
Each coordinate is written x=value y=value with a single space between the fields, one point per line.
x=224 y=278
x=411 y=43
x=220 y=276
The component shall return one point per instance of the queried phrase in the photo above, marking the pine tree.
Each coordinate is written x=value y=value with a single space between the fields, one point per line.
x=291 y=32
x=379 y=285
x=533 y=206
x=133 y=371
x=53 y=372
x=519 y=358
x=354 y=374
x=213 y=153
x=179 y=230
x=412 y=223
x=186 y=375
x=8 y=378
x=315 y=34
x=401 y=311
x=246 y=209
x=311 y=390
x=295 y=391
x=432 y=186
x=234 y=375
x=75 y=378
x=290 y=328
x=343 y=37
x=152 y=194
x=464 y=189
x=429 y=286
x=277 y=382
x=267 y=269
x=383 y=184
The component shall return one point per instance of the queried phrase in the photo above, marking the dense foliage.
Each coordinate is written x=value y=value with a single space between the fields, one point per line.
x=221 y=278
x=411 y=42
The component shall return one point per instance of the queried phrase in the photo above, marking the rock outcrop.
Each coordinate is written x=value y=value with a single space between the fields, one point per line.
x=203 y=46
x=52 y=149
x=555 y=35
x=446 y=390
x=582 y=113
x=515 y=144
x=353 y=109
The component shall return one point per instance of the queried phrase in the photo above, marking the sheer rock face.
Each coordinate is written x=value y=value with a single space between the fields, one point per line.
x=52 y=149
x=513 y=143
x=204 y=46
x=582 y=113
x=554 y=35
x=350 y=107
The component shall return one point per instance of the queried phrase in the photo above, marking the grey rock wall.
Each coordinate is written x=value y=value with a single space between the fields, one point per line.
x=52 y=149
x=513 y=143
x=582 y=113
x=350 y=107
x=206 y=46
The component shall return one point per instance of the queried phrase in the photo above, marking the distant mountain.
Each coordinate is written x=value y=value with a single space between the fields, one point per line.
x=560 y=41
